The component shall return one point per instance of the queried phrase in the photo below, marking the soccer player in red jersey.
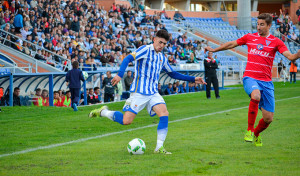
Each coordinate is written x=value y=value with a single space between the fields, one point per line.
x=257 y=79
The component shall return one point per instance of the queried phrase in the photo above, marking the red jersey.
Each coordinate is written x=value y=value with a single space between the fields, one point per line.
x=261 y=54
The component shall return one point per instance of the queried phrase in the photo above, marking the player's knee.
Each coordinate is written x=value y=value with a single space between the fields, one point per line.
x=256 y=96
x=127 y=122
x=268 y=120
x=164 y=113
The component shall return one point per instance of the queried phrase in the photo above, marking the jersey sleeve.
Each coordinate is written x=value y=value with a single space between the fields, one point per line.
x=243 y=40
x=140 y=53
x=281 y=46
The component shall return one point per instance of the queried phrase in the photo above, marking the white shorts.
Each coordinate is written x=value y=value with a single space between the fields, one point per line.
x=137 y=102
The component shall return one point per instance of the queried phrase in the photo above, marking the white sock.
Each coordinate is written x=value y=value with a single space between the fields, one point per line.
x=161 y=137
x=107 y=113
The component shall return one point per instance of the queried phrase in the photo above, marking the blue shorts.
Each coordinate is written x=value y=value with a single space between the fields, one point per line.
x=267 y=100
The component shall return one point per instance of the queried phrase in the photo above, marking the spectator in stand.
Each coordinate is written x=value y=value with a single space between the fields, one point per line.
x=191 y=87
x=175 y=89
x=172 y=60
x=128 y=80
x=73 y=78
x=37 y=99
x=169 y=89
x=293 y=71
x=45 y=98
x=97 y=96
x=66 y=100
x=141 y=6
x=164 y=15
x=109 y=90
x=2 y=100
x=57 y=99
x=16 y=97
x=183 y=88
x=280 y=66
x=294 y=36
x=178 y=16
x=160 y=91
x=277 y=33
x=18 y=22
x=210 y=66
x=90 y=97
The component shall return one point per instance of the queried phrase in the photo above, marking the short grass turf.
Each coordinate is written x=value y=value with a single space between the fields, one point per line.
x=206 y=145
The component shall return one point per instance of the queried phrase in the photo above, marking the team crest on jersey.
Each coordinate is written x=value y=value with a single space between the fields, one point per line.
x=268 y=42
x=260 y=46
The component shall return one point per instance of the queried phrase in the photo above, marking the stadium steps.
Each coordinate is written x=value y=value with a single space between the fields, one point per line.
x=217 y=42
x=22 y=59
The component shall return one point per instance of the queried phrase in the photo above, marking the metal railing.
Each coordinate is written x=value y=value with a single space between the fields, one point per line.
x=4 y=40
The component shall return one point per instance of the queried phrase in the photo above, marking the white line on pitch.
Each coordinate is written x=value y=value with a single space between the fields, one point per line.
x=120 y=132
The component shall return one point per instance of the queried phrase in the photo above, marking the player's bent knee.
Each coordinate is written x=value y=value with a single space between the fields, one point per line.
x=126 y=122
x=256 y=96
x=164 y=113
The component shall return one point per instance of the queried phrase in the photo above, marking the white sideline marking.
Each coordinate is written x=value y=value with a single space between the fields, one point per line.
x=120 y=132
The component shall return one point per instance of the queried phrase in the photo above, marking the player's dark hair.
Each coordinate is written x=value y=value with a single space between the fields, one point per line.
x=163 y=34
x=96 y=88
x=267 y=17
x=55 y=92
x=68 y=92
x=75 y=64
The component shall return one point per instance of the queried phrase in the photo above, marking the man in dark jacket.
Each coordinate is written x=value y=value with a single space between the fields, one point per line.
x=211 y=65
x=73 y=78
x=128 y=80
x=16 y=97
x=75 y=26
x=109 y=89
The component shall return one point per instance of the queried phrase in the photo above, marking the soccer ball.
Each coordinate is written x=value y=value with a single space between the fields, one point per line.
x=85 y=75
x=136 y=146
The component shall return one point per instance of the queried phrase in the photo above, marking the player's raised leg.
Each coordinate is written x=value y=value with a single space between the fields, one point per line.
x=115 y=116
x=262 y=125
x=162 y=128
x=252 y=114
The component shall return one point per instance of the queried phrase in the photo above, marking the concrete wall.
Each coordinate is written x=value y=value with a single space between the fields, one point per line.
x=292 y=11
x=232 y=16
x=181 y=5
x=108 y=3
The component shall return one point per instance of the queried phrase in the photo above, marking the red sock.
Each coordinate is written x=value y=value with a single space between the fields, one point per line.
x=262 y=125
x=252 y=113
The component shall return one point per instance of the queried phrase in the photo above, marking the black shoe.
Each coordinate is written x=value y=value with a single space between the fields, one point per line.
x=208 y=97
x=218 y=97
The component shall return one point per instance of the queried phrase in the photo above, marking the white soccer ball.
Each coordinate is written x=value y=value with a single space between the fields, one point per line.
x=136 y=146
x=85 y=75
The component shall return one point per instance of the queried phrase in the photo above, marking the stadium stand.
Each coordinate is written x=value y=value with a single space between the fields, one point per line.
x=55 y=33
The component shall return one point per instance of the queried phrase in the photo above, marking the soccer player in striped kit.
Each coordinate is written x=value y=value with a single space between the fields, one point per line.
x=149 y=61
x=257 y=80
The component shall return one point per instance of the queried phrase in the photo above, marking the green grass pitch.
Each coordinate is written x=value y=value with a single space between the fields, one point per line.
x=209 y=144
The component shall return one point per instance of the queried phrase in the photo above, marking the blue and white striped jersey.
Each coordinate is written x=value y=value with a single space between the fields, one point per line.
x=148 y=65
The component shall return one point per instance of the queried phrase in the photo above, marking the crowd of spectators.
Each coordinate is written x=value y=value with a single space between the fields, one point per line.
x=84 y=31
x=283 y=31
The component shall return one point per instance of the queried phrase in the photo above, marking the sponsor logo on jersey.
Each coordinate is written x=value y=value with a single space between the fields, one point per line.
x=258 y=52
x=268 y=42
x=260 y=46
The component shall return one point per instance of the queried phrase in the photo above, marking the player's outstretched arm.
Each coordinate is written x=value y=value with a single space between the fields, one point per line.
x=123 y=67
x=225 y=46
x=183 y=77
x=290 y=56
